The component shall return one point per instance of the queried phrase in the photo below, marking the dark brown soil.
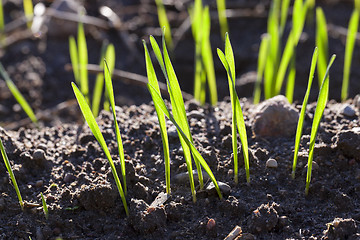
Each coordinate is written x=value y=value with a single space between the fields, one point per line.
x=62 y=159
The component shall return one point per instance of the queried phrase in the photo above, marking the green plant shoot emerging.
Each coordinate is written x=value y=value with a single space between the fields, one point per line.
x=12 y=176
x=320 y=106
x=349 y=48
x=90 y=119
x=45 y=208
x=302 y=112
x=322 y=43
x=237 y=116
x=221 y=7
x=18 y=96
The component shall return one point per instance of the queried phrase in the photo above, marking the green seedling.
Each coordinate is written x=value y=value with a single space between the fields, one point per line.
x=178 y=118
x=109 y=54
x=90 y=119
x=303 y=109
x=221 y=8
x=2 y=23
x=237 y=115
x=45 y=208
x=79 y=60
x=160 y=115
x=110 y=92
x=320 y=106
x=28 y=10
x=12 y=176
x=164 y=23
x=357 y=5
x=204 y=64
x=349 y=48
x=263 y=51
x=321 y=42
x=18 y=96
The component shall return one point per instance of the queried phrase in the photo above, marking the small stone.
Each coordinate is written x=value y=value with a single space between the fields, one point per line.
x=340 y=229
x=196 y=114
x=39 y=155
x=183 y=178
x=211 y=224
x=224 y=188
x=348 y=111
x=275 y=117
x=271 y=163
x=69 y=178
x=39 y=183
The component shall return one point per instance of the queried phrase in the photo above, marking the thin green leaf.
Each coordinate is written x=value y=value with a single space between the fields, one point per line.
x=290 y=84
x=161 y=104
x=207 y=58
x=28 y=10
x=45 y=208
x=263 y=52
x=18 y=96
x=12 y=176
x=83 y=61
x=284 y=14
x=349 y=48
x=320 y=106
x=303 y=109
x=90 y=119
x=74 y=58
x=110 y=59
x=164 y=22
x=160 y=115
x=221 y=8
x=322 y=43
x=110 y=91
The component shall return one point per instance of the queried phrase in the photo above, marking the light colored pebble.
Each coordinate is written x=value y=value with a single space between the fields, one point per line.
x=39 y=154
x=224 y=188
x=271 y=163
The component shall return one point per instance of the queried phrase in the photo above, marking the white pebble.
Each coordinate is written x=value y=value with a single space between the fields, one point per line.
x=271 y=163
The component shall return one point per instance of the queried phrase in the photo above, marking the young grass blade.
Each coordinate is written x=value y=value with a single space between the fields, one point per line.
x=28 y=10
x=45 y=208
x=207 y=58
x=320 y=106
x=90 y=119
x=221 y=7
x=322 y=43
x=290 y=84
x=238 y=118
x=161 y=104
x=302 y=112
x=83 y=61
x=263 y=52
x=74 y=58
x=164 y=22
x=110 y=59
x=349 y=48
x=2 y=24
x=357 y=5
x=177 y=103
x=284 y=13
x=196 y=16
x=12 y=176
x=18 y=96
x=110 y=91
x=160 y=115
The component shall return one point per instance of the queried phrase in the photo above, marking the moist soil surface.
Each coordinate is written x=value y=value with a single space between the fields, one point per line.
x=62 y=159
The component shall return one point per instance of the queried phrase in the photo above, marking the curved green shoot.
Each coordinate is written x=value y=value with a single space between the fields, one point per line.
x=45 y=208
x=228 y=61
x=12 y=176
x=109 y=55
x=263 y=51
x=302 y=112
x=320 y=106
x=164 y=23
x=18 y=96
x=160 y=115
x=110 y=91
x=321 y=43
x=90 y=119
x=28 y=10
x=349 y=48
x=161 y=104
x=83 y=61
x=221 y=7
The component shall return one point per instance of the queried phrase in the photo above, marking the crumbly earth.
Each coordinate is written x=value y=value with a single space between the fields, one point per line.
x=67 y=165
x=62 y=159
